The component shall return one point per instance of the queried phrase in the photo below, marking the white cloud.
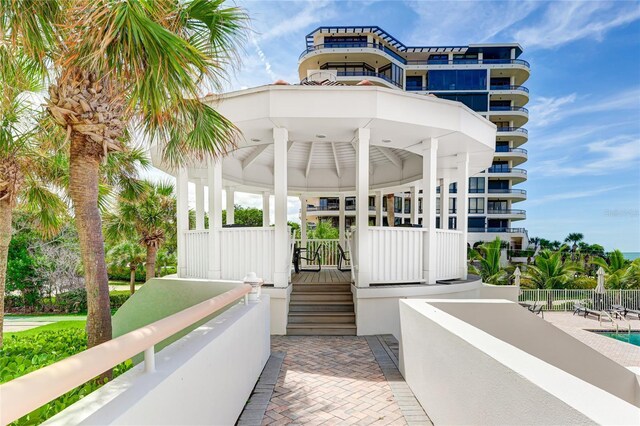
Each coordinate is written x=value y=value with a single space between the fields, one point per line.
x=312 y=12
x=564 y=22
x=464 y=22
x=570 y=195
x=547 y=110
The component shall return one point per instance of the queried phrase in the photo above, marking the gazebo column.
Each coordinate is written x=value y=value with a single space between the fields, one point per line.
x=462 y=161
x=444 y=203
x=429 y=183
x=199 y=206
x=341 y=219
x=414 y=204
x=182 y=218
x=281 y=250
x=230 y=192
x=362 y=207
x=303 y=221
x=214 y=181
x=266 y=210
x=379 y=198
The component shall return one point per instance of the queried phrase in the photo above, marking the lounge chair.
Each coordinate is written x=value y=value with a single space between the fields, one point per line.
x=342 y=257
x=621 y=310
x=537 y=309
x=580 y=309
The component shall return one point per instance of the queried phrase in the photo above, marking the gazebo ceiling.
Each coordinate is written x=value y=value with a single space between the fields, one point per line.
x=321 y=122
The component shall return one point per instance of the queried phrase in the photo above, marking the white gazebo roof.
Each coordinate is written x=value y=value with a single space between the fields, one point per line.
x=321 y=122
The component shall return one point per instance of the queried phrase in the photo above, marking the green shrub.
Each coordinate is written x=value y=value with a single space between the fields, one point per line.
x=23 y=354
x=75 y=301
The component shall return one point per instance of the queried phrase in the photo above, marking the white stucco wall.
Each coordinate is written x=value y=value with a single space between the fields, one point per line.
x=462 y=374
x=279 y=308
x=506 y=292
x=203 y=378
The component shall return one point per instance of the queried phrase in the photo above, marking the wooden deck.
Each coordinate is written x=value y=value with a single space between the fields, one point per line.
x=325 y=276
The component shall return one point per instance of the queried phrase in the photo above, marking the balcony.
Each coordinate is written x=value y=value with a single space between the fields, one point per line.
x=367 y=73
x=508 y=88
x=519 y=116
x=519 y=194
x=356 y=45
x=508 y=213
x=519 y=62
x=518 y=135
x=509 y=108
x=516 y=155
x=498 y=230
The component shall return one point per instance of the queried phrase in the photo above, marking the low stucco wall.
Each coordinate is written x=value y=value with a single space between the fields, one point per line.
x=204 y=378
x=279 y=308
x=377 y=309
x=506 y=292
x=492 y=362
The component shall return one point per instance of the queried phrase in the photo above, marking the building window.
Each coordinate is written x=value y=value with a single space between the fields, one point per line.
x=452 y=205
x=351 y=41
x=476 y=224
x=453 y=188
x=477 y=102
x=457 y=80
x=476 y=205
x=397 y=204
x=476 y=185
x=414 y=82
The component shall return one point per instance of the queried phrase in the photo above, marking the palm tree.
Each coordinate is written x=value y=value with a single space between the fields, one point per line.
x=549 y=271
x=614 y=269
x=575 y=238
x=631 y=277
x=28 y=178
x=488 y=254
x=119 y=63
x=127 y=254
x=150 y=215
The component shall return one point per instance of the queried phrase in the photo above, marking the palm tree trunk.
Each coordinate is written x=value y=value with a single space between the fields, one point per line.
x=6 y=211
x=391 y=210
x=83 y=188
x=132 y=280
x=152 y=253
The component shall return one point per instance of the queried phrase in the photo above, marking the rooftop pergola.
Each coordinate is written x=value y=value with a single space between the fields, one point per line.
x=348 y=140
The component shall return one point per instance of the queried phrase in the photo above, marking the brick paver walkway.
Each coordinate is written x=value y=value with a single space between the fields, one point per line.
x=333 y=381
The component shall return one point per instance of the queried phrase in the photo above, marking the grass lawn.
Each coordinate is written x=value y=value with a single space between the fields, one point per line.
x=56 y=326
x=123 y=283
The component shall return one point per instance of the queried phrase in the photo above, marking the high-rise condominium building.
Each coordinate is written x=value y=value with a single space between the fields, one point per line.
x=488 y=78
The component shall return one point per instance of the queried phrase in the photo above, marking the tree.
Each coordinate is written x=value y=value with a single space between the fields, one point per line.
x=631 y=276
x=27 y=177
x=575 y=238
x=116 y=63
x=150 y=216
x=488 y=254
x=324 y=230
x=614 y=267
x=128 y=254
x=246 y=216
x=549 y=271
x=391 y=212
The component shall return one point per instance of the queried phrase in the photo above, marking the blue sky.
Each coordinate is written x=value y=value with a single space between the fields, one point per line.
x=584 y=128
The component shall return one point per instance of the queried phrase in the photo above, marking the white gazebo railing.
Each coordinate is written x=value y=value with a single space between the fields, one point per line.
x=329 y=253
x=448 y=254
x=396 y=254
x=197 y=253
x=247 y=249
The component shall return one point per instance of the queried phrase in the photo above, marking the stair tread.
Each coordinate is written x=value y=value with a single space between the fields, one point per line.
x=320 y=313
x=328 y=325
x=324 y=302
x=323 y=293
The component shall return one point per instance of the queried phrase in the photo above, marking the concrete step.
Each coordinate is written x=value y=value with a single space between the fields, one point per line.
x=321 y=330
x=322 y=318
x=312 y=296
x=307 y=306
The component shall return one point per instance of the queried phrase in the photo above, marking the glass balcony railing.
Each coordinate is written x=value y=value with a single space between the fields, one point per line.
x=507 y=149
x=505 y=169
x=500 y=229
x=513 y=129
x=508 y=87
x=506 y=211
x=508 y=108
x=396 y=56
x=507 y=191
x=367 y=73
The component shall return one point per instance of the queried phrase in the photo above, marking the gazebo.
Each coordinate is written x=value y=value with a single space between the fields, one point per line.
x=348 y=140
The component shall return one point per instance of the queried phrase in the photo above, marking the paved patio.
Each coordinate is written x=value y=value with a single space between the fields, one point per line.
x=331 y=381
x=578 y=327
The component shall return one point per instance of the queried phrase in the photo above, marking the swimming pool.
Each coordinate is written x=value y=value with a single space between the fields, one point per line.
x=633 y=337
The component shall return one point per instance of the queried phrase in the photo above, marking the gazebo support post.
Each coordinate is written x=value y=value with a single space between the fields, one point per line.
x=182 y=218
x=362 y=207
x=303 y=221
x=429 y=182
x=444 y=203
x=214 y=178
x=281 y=249
x=341 y=219
x=462 y=161
x=414 y=204
x=266 y=210
x=199 y=206
x=230 y=193
x=379 y=196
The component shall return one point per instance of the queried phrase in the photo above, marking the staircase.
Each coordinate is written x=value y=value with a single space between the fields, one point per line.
x=321 y=309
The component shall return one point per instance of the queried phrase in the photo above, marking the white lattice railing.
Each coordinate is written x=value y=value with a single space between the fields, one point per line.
x=197 y=253
x=564 y=299
x=448 y=254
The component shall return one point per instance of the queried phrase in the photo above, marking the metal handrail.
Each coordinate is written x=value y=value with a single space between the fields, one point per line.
x=513 y=129
x=24 y=394
x=508 y=87
x=610 y=318
x=507 y=191
x=493 y=169
x=508 y=108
